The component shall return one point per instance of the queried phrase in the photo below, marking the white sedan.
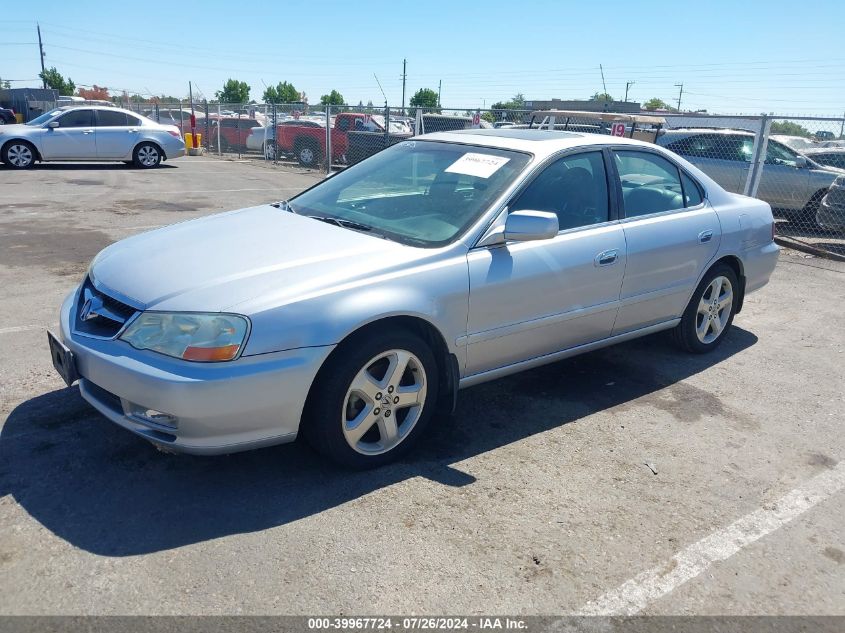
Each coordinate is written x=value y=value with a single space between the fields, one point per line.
x=90 y=133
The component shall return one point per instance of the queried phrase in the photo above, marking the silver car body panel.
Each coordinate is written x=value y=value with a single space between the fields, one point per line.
x=306 y=285
x=95 y=143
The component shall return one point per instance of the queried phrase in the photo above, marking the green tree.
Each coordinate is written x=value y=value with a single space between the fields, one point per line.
x=790 y=128
x=5 y=84
x=333 y=98
x=234 y=91
x=53 y=78
x=656 y=104
x=499 y=113
x=601 y=96
x=282 y=92
x=424 y=98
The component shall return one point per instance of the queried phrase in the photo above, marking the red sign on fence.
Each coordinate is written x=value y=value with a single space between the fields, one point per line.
x=617 y=129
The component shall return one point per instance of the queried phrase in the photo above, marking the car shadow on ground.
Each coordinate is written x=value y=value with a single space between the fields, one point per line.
x=106 y=491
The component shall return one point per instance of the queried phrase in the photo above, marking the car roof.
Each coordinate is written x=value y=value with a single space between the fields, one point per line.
x=538 y=142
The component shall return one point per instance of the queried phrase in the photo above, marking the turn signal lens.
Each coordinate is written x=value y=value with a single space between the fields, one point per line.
x=207 y=354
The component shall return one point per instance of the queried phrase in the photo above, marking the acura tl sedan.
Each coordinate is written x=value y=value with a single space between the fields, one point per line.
x=98 y=133
x=354 y=312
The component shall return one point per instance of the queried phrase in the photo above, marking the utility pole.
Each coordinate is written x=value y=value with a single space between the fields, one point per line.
x=628 y=84
x=404 y=77
x=439 y=86
x=680 y=94
x=603 y=85
x=41 y=49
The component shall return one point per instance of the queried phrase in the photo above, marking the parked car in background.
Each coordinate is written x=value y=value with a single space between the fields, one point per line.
x=90 y=133
x=790 y=182
x=181 y=118
x=355 y=311
x=831 y=213
x=264 y=138
x=307 y=142
x=7 y=116
x=827 y=156
x=798 y=143
x=233 y=132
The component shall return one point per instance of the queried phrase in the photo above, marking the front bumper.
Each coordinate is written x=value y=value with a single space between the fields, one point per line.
x=218 y=407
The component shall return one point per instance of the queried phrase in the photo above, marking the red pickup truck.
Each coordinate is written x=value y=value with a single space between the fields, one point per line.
x=307 y=141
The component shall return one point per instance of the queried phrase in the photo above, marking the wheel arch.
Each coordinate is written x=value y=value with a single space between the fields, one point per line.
x=447 y=363
x=736 y=264
x=150 y=141
x=22 y=140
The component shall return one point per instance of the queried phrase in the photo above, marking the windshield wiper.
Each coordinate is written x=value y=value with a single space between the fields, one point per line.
x=347 y=224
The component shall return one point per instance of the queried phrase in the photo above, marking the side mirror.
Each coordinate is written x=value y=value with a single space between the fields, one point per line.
x=801 y=162
x=53 y=124
x=526 y=226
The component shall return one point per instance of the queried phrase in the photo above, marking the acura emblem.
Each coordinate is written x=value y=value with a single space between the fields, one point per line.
x=90 y=307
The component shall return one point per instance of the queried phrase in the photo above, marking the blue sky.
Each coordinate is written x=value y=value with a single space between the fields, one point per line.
x=748 y=57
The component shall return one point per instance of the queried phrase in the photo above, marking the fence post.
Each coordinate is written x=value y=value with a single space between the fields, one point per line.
x=207 y=129
x=328 y=140
x=219 y=150
x=758 y=156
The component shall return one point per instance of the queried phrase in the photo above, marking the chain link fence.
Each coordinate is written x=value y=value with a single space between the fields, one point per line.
x=796 y=164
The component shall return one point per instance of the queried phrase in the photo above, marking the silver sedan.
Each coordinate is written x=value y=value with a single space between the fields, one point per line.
x=354 y=312
x=97 y=133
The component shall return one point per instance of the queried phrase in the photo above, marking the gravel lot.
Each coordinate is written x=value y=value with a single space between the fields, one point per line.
x=535 y=499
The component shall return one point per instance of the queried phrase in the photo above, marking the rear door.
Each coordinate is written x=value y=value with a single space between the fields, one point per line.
x=73 y=139
x=671 y=232
x=117 y=133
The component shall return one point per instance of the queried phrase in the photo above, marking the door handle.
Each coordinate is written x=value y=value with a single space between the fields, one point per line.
x=132 y=131
x=705 y=236
x=87 y=131
x=606 y=258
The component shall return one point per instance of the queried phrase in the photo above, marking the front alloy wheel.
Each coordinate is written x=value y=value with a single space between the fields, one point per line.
x=19 y=155
x=384 y=402
x=372 y=399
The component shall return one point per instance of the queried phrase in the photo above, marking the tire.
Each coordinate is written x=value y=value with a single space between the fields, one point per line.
x=807 y=215
x=270 y=150
x=147 y=156
x=308 y=154
x=362 y=412
x=710 y=312
x=19 y=155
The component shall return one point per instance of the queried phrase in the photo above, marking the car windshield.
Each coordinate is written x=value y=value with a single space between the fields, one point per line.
x=422 y=193
x=41 y=120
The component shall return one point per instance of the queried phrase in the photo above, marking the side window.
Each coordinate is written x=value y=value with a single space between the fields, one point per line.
x=77 y=118
x=343 y=124
x=574 y=187
x=133 y=120
x=650 y=183
x=110 y=118
x=692 y=192
x=777 y=154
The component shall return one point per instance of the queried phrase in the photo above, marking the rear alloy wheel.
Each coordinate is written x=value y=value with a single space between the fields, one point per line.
x=710 y=312
x=147 y=155
x=372 y=400
x=19 y=155
x=270 y=151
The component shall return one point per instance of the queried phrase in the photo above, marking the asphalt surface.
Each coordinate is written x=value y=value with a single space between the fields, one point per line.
x=637 y=478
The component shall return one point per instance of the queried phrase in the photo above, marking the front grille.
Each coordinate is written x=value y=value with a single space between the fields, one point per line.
x=98 y=314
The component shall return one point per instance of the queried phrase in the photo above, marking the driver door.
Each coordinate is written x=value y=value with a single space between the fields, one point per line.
x=529 y=299
x=73 y=138
x=783 y=184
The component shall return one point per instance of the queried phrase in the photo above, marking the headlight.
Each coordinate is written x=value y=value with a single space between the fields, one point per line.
x=197 y=337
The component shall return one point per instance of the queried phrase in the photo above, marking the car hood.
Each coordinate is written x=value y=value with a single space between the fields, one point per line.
x=15 y=128
x=226 y=261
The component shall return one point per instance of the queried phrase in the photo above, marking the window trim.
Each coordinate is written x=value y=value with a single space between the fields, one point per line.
x=92 y=111
x=648 y=150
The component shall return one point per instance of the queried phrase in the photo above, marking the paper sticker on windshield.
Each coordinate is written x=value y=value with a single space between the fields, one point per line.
x=479 y=165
